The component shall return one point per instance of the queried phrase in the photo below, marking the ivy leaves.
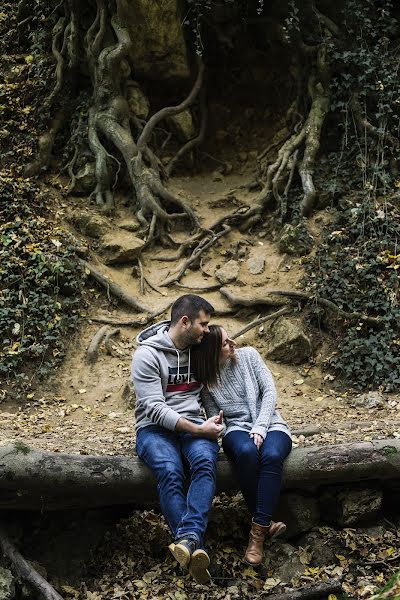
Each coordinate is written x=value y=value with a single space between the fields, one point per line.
x=38 y=271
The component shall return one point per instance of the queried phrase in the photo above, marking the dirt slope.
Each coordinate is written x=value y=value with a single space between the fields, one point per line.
x=89 y=409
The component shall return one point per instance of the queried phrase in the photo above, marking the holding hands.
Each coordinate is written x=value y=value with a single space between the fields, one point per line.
x=213 y=427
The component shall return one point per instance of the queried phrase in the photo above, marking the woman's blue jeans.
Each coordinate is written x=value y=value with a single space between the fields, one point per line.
x=167 y=453
x=259 y=471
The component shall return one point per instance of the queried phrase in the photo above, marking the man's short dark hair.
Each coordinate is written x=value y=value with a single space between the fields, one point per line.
x=189 y=305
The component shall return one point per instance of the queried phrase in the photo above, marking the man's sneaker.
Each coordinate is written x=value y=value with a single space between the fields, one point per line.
x=183 y=550
x=276 y=529
x=186 y=553
x=198 y=567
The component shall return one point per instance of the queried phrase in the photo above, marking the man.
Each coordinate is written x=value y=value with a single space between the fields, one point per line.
x=171 y=431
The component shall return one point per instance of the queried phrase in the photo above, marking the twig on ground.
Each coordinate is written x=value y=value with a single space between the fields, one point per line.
x=25 y=570
x=93 y=350
x=200 y=248
x=283 y=311
x=317 y=590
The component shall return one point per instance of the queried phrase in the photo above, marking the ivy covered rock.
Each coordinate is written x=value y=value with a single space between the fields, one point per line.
x=296 y=240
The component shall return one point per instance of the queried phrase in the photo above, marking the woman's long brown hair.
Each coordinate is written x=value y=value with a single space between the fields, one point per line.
x=205 y=357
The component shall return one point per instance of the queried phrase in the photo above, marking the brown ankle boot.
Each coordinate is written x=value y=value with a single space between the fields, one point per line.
x=254 y=553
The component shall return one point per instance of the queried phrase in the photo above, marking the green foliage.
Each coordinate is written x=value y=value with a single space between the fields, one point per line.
x=40 y=287
x=357 y=268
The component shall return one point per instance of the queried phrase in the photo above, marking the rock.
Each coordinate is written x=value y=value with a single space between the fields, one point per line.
x=182 y=125
x=296 y=240
x=120 y=247
x=157 y=49
x=129 y=225
x=320 y=548
x=90 y=224
x=299 y=511
x=217 y=176
x=347 y=506
x=252 y=156
x=284 y=562
x=228 y=273
x=137 y=102
x=85 y=179
x=7 y=584
x=128 y=395
x=369 y=400
x=255 y=263
x=288 y=343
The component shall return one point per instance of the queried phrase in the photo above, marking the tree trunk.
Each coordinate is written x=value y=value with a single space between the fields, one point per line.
x=36 y=480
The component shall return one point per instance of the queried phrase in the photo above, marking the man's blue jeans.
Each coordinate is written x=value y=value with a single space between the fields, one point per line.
x=167 y=453
x=259 y=471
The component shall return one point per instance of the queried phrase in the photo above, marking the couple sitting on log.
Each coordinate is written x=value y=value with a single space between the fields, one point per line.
x=180 y=367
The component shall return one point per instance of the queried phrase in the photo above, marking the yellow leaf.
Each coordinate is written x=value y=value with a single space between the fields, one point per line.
x=390 y=551
x=29 y=59
x=332 y=597
x=340 y=557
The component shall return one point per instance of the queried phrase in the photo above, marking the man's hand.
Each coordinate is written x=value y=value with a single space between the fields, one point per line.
x=213 y=427
x=257 y=439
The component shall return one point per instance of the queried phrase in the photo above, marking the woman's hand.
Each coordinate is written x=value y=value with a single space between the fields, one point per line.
x=257 y=439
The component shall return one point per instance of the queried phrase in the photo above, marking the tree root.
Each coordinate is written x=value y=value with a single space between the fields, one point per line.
x=196 y=141
x=25 y=570
x=107 y=340
x=283 y=311
x=113 y=288
x=269 y=299
x=93 y=350
x=200 y=248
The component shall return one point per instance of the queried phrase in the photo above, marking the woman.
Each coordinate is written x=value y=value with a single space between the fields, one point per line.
x=256 y=438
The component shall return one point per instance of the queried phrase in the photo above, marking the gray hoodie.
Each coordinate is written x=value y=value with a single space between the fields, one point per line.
x=165 y=387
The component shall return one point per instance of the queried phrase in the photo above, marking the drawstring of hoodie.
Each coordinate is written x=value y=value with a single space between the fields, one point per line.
x=188 y=373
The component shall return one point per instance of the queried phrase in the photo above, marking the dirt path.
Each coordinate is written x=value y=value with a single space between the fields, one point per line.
x=89 y=409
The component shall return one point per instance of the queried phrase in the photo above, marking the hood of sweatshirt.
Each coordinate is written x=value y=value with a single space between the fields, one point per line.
x=180 y=393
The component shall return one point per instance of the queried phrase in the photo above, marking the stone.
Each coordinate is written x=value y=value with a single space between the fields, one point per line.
x=346 y=506
x=228 y=273
x=217 y=176
x=287 y=342
x=368 y=400
x=296 y=240
x=255 y=264
x=320 y=548
x=129 y=225
x=85 y=179
x=299 y=511
x=157 y=44
x=284 y=562
x=7 y=584
x=120 y=247
x=137 y=102
x=89 y=224
x=182 y=125
x=128 y=395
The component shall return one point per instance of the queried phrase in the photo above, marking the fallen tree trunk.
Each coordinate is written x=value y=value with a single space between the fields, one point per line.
x=36 y=480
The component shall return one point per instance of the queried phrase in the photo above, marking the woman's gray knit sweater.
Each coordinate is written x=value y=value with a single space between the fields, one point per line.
x=246 y=393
